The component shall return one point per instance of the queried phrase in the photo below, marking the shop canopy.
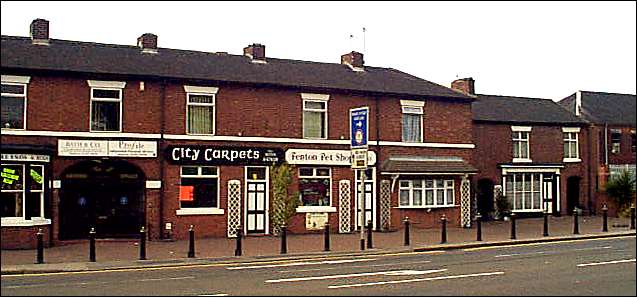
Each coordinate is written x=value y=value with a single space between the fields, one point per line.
x=426 y=165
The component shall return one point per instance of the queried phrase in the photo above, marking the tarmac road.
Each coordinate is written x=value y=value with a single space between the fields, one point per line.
x=582 y=267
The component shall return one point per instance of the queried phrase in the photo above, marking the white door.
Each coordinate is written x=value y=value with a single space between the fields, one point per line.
x=370 y=197
x=257 y=200
x=547 y=190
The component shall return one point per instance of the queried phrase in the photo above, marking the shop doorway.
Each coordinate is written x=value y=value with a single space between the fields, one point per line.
x=369 y=193
x=257 y=200
x=105 y=194
x=485 y=198
x=572 y=193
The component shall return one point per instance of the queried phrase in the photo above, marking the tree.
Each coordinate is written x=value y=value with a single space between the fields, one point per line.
x=621 y=189
x=283 y=204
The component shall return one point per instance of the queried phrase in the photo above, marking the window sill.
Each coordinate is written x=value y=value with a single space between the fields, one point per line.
x=305 y=209
x=522 y=160
x=13 y=129
x=200 y=211
x=571 y=160
x=20 y=222
x=425 y=207
x=105 y=132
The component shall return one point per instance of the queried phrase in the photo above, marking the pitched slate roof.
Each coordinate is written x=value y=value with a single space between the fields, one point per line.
x=86 y=57
x=605 y=108
x=427 y=165
x=509 y=109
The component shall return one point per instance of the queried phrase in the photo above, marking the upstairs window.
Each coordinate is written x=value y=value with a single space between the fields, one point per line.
x=201 y=114
x=615 y=141
x=106 y=110
x=412 y=123
x=521 y=145
x=314 y=119
x=571 y=145
x=14 y=101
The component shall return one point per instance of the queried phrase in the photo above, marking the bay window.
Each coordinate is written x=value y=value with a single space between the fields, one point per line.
x=426 y=193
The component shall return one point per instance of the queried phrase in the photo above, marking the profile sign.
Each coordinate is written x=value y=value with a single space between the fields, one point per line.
x=358 y=136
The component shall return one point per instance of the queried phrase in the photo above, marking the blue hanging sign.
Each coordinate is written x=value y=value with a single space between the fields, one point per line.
x=358 y=123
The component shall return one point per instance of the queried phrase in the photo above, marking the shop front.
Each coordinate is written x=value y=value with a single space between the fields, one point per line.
x=533 y=188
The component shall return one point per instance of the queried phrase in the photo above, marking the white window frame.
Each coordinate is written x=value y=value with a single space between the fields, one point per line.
x=118 y=100
x=448 y=184
x=200 y=210
x=513 y=178
x=214 y=111
x=571 y=135
x=517 y=136
x=323 y=110
x=24 y=95
x=412 y=107
x=315 y=208
x=22 y=221
x=619 y=144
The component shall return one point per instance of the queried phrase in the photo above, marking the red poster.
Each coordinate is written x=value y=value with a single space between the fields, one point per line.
x=186 y=193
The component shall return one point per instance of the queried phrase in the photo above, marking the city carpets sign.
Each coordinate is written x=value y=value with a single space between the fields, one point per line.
x=208 y=155
x=107 y=148
x=324 y=157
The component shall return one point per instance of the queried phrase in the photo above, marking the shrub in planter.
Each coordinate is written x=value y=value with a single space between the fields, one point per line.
x=503 y=206
x=621 y=190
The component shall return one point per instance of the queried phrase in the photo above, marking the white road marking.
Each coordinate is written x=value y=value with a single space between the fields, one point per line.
x=605 y=263
x=519 y=254
x=417 y=280
x=220 y=294
x=300 y=264
x=385 y=273
x=162 y=279
x=553 y=252
x=354 y=266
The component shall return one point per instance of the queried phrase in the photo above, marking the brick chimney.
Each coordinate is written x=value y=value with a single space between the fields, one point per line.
x=39 y=31
x=353 y=60
x=148 y=43
x=464 y=85
x=256 y=52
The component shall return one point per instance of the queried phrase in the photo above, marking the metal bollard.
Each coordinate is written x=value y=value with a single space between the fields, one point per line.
x=605 y=217
x=370 y=245
x=513 y=235
x=575 y=221
x=406 y=231
x=142 y=243
x=237 y=250
x=40 y=255
x=546 y=223
x=91 y=245
x=443 y=234
x=479 y=227
x=632 y=217
x=284 y=239
x=191 y=244
x=326 y=241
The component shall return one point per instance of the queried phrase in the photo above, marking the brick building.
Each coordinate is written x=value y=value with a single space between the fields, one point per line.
x=118 y=137
x=530 y=150
x=612 y=129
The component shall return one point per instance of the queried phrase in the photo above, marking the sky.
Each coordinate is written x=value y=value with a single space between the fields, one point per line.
x=529 y=49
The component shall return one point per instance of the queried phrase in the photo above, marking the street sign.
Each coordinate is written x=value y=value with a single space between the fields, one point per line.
x=358 y=123
x=359 y=159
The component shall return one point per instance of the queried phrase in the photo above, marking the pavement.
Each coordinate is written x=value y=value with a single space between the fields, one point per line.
x=123 y=254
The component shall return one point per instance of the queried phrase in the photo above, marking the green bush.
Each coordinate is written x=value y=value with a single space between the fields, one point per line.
x=503 y=205
x=283 y=204
x=621 y=190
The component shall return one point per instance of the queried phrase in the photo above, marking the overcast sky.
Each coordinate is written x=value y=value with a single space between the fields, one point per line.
x=545 y=50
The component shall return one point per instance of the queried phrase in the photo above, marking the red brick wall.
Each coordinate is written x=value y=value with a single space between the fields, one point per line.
x=23 y=237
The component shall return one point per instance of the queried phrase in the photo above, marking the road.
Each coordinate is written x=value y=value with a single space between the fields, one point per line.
x=582 y=267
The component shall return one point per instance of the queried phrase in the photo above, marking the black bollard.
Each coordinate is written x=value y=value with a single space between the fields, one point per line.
x=575 y=221
x=632 y=217
x=142 y=243
x=443 y=234
x=546 y=223
x=327 y=237
x=40 y=241
x=513 y=235
x=91 y=245
x=237 y=250
x=479 y=227
x=605 y=217
x=284 y=239
x=191 y=244
x=370 y=245
x=406 y=231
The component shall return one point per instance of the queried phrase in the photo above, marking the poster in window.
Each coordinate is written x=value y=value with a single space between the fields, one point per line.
x=186 y=193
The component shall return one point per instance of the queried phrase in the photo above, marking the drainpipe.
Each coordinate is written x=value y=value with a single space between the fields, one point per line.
x=377 y=116
x=162 y=128
x=591 y=201
x=606 y=144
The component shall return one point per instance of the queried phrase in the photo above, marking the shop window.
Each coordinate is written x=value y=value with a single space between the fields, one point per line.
x=14 y=98
x=199 y=187
x=200 y=114
x=523 y=190
x=571 y=146
x=426 y=193
x=106 y=110
x=22 y=191
x=615 y=141
x=412 y=129
x=521 y=145
x=314 y=119
x=315 y=186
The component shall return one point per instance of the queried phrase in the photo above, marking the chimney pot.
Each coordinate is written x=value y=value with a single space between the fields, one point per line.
x=148 y=43
x=39 y=31
x=255 y=51
x=354 y=60
x=464 y=85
